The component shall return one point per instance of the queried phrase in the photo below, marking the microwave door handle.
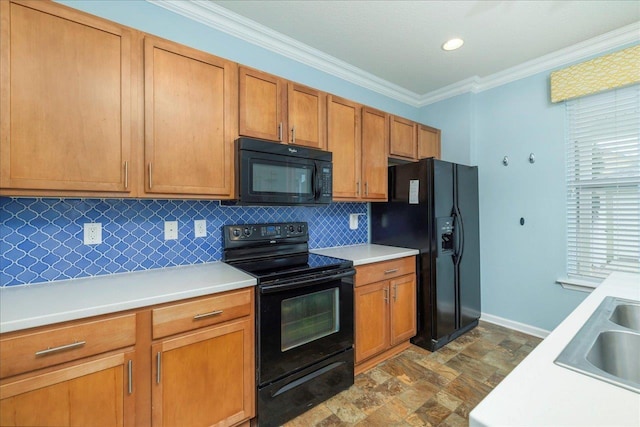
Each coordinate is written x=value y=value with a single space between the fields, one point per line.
x=316 y=181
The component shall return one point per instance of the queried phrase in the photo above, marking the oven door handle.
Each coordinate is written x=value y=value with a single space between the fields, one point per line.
x=295 y=284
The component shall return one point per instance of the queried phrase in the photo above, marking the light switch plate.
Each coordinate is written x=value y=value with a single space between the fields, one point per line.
x=92 y=233
x=170 y=230
x=200 y=228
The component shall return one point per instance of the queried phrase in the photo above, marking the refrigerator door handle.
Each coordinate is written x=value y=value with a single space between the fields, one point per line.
x=456 y=237
x=460 y=233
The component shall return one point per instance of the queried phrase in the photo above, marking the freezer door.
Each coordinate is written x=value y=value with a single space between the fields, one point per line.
x=444 y=295
x=469 y=265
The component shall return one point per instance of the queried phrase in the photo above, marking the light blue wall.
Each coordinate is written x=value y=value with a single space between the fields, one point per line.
x=519 y=264
x=455 y=118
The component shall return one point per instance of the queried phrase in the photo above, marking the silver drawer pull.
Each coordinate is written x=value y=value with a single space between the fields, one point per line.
x=393 y=270
x=203 y=315
x=61 y=348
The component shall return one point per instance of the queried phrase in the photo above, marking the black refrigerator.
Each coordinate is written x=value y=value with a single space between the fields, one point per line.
x=433 y=207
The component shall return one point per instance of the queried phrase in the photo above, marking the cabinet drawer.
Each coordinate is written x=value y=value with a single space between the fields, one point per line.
x=384 y=270
x=176 y=318
x=26 y=352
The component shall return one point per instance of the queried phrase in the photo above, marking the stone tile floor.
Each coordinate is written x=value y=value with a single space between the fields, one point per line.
x=421 y=388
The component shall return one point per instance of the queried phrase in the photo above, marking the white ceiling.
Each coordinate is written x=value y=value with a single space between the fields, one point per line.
x=398 y=43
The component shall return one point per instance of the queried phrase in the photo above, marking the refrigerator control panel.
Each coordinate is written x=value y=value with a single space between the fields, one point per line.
x=445 y=235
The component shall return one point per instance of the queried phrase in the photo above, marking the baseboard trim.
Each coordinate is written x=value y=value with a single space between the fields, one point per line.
x=517 y=326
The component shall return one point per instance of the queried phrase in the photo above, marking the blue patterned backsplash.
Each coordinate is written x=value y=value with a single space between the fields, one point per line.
x=41 y=239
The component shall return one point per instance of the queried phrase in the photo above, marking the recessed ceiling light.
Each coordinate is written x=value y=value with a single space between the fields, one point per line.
x=453 y=44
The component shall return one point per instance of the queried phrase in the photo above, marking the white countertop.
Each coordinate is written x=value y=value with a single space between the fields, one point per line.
x=366 y=253
x=540 y=393
x=40 y=304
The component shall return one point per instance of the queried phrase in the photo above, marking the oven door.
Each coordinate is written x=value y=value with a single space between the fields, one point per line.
x=276 y=179
x=303 y=322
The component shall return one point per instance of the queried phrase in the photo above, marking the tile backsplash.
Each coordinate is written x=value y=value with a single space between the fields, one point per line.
x=41 y=239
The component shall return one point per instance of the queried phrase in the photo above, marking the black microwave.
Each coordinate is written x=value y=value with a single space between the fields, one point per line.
x=268 y=173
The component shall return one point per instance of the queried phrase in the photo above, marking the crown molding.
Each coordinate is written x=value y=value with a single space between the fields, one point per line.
x=228 y=22
x=224 y=20
x=616 y=38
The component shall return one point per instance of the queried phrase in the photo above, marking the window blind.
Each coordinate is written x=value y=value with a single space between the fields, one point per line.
x=603 y=184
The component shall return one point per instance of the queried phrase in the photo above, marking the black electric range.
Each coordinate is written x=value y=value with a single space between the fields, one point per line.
x=304 y=317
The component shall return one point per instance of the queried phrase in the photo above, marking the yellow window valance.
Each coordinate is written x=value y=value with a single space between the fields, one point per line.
x=606 y=72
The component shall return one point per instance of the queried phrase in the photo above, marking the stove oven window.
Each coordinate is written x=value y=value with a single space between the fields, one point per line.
x=309 y=317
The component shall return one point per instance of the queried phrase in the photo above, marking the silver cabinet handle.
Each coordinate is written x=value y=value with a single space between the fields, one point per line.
x=293 y=135
x=158 y=366
x=130 y=374
x=393 y=270
x=280 y=131
x=50 y=350
x=204 y=315
x=126 y=174
x=395 y=293
x=366 y=188
x=358 y=188
x=150 y=177
x=386 y=295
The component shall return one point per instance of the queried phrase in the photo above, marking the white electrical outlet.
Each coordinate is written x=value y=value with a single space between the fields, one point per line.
x=92 y=233
x=353 y=221
x=200 y=227
x=170 y=230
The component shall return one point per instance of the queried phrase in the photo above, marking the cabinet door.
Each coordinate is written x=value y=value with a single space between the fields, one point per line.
x=371 y=320
x=402 y=138
x=428 y=142
x=307 y=116
x=98 y=393
x=190 y=120
x=262 y=105
x=403 y=308
x=65 y=97
x=375 y=143
x=205 y=378
x=343 y=131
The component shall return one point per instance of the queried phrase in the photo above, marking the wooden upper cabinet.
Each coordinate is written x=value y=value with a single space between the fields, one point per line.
x=343 y=129
x=275 y=109
x=190 y=120
x=65 y=97
x=375 y=143
x=307 y=116
x=428 y=142
x=402 y=141
x=262 y=105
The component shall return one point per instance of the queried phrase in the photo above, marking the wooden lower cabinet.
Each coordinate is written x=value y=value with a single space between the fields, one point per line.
x=402 y=303
x=99 y=372
x=205 y=378
x=371 y=320
x=96 y=392
x=385 y=311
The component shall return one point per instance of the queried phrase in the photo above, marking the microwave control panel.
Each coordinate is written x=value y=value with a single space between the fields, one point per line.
x=326 y=180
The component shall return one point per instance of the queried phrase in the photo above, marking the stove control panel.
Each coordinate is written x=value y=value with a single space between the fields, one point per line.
x=258 y=232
